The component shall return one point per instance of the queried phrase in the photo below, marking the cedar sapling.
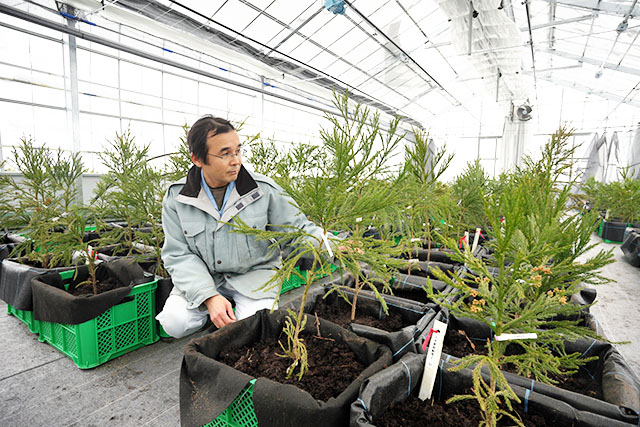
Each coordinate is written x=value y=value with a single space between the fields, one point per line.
x=347 y=186
x=430 y=200
x=41 y=199
x=535 y=251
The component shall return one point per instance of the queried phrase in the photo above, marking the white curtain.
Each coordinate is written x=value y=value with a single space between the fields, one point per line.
x=515 y=138
x=593 y=159
x=613 y=159
x=634 y=156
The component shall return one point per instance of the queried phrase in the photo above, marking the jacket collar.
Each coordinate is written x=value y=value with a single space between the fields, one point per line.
x=244 y=183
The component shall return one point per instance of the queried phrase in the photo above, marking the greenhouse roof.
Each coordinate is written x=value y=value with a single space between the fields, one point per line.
x=415 y=58
x=421 y=60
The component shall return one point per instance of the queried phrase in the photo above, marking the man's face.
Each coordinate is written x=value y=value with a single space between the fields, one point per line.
x=223 y=157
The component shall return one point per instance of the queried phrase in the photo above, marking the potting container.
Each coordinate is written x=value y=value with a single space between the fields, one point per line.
x=208 y=387
x=15 y=288
x=119 y=330
x=631 y=246
x=613 y=231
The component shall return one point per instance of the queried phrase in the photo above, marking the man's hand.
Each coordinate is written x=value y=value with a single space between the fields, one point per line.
x=220 y=310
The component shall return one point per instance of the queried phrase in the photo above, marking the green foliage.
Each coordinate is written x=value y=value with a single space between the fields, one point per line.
x=179 y=162
x=535 y=271
x=47 y=191
x=620 y=198
x=294 y=348
x=489 y=395
x=131 y=191
x=469 y=189
x=429 y=206
x=350 y=190
x=269 y=159
x=76 y=222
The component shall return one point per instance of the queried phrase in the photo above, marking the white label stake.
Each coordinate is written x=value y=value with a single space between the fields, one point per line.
x=433 y=359
x=326 y=244
x=475 y=240
x=509 y=337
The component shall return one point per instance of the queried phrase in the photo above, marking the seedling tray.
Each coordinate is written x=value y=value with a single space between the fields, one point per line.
x=240 y=413
x=119 y=330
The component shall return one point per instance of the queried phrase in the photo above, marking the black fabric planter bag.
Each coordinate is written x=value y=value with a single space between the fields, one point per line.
x=15 y=282
x=410 y=282
x=631 y=247
x=620 y=386
x=148 y=263
x=401 y=341
x=613 y=230
x=6 y=249
x=207 y=386
x=427 y=267
x=397 y=382
x=437 y=255
x=52 y=303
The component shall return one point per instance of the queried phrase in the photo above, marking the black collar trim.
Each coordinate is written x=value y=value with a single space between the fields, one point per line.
x=244 y=183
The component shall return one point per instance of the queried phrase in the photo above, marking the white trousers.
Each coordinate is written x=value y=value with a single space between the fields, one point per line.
x=179 y=321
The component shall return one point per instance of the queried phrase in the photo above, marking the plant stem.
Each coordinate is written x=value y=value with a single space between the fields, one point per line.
x=307 y=286
x=356 y=292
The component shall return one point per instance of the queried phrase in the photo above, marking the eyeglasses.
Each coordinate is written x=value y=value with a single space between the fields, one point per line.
x=227 y=156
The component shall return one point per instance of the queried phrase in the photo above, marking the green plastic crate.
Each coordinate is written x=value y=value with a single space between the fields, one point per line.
x=294 y=282
x=119 y=330
x=161 y=332
x=240 y=413
x=26 y=316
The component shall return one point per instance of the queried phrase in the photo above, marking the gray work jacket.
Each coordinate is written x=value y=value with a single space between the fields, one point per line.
x=200 y=251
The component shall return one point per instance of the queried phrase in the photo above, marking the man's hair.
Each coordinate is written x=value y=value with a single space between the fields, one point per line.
x=197 y=136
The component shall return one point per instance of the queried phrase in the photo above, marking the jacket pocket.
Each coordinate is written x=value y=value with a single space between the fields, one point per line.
x=194 y=234
x=258 y=249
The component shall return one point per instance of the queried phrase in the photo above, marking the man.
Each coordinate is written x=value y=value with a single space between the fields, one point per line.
x=210 y=265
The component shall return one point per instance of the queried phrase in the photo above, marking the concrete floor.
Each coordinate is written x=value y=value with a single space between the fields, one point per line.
x=41 y=387
x=617 y=307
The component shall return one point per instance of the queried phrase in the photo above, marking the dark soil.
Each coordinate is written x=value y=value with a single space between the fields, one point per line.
x=415 y=412
x=87 y=288
x=456 y=344
x=340 y=313
x=332 y=366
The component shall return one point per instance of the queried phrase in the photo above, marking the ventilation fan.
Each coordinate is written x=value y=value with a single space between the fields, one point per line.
x=524 y=112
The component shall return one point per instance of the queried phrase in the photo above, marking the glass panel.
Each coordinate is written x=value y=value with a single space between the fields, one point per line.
x=179 y=88
x=46 y=55
x=235 y=15
x=13 y=45
x=51 y=128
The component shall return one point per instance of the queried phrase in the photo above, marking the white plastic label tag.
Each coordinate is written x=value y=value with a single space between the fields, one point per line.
x=433 y=359
x=475 y=240
x=509 y=337
x=416 y=239
x=326 y=244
